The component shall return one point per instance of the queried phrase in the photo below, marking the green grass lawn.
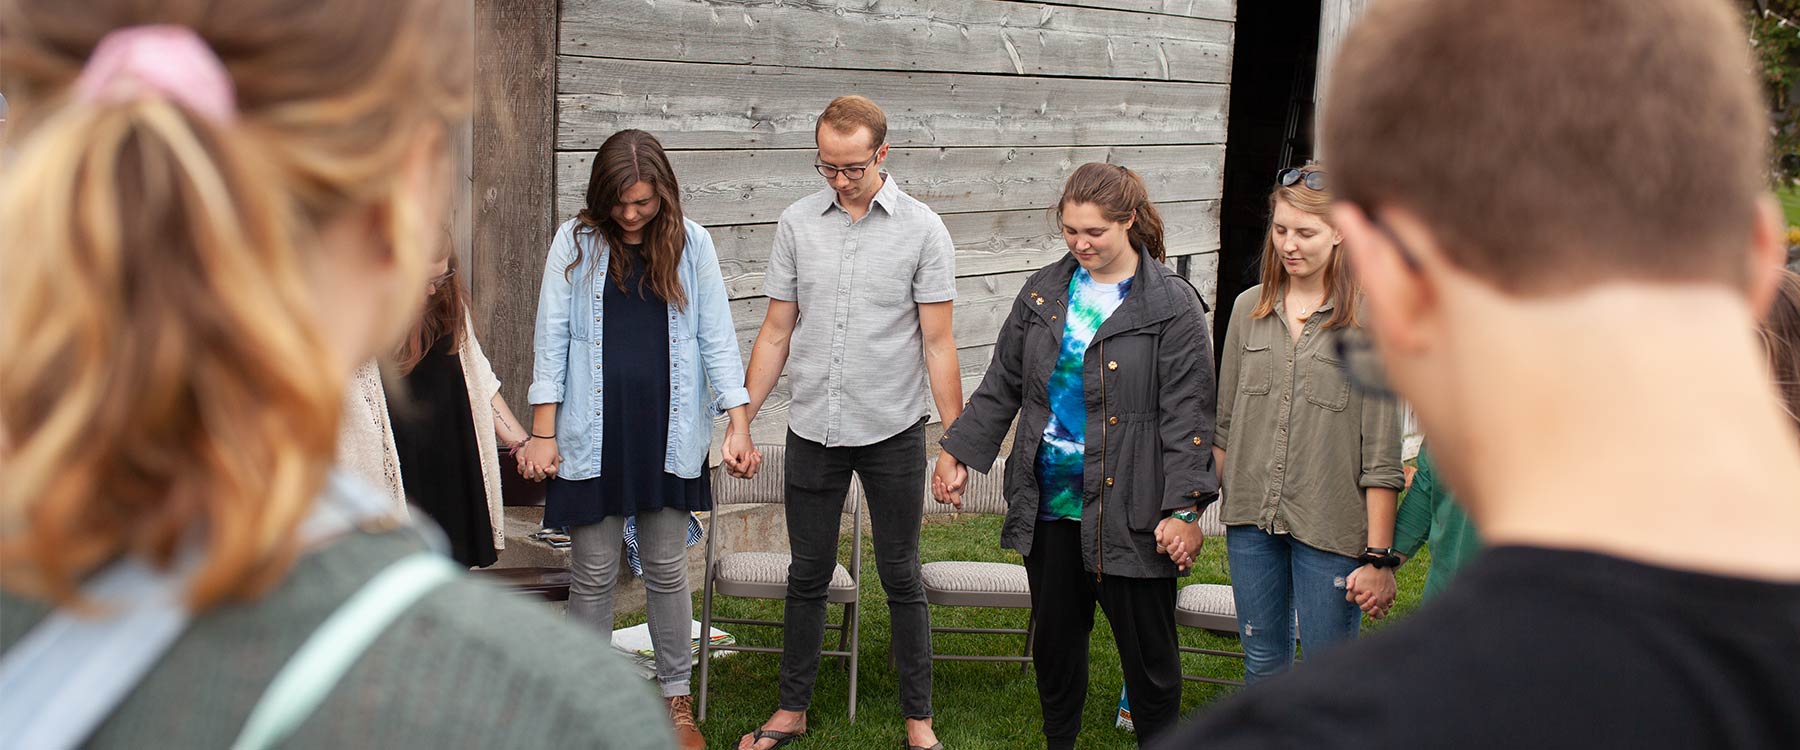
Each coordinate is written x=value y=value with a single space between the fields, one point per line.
x=1790 y=204
x=980 y=706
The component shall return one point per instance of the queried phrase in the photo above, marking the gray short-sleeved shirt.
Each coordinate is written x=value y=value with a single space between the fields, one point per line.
x=856 y=363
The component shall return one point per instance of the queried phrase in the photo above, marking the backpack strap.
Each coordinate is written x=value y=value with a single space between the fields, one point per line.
x=311 y=673
x=64 y=677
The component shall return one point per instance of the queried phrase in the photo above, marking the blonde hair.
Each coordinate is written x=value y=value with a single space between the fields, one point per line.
x=164 y=378
x=1340 y=287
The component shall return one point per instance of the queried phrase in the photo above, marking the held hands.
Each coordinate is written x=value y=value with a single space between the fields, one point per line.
x=1180 y=540
x=948 y=481
x=539 y=459
x=742 y=459
x=1372 y=589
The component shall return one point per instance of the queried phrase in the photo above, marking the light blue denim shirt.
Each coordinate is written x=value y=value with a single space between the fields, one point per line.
x=703 y=352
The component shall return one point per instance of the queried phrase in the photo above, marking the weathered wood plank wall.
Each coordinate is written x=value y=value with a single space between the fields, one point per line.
x=991 y=104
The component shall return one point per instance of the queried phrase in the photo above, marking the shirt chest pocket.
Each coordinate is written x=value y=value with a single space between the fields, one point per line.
x=1326 y=384
x=885 y=280
x=1256 y=367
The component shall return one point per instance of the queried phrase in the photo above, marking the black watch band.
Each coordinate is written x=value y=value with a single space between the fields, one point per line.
x=1380 y=557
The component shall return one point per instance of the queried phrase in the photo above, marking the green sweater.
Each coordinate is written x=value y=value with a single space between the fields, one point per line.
x=1428 y=512
x=467 y=666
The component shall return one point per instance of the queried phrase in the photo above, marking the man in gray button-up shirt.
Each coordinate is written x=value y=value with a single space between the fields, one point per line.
x=860 y=284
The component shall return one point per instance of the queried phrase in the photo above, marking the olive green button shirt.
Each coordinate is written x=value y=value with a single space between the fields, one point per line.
x=1300 y=444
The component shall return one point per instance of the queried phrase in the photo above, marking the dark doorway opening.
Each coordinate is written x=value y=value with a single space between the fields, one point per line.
x=1271 y=127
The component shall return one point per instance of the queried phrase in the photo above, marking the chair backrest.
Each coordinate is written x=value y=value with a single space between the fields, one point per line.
x=769 y=487
x=985 y=493
x=1209 y=520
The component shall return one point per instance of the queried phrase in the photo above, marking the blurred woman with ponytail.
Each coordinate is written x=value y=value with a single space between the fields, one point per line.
x=1106 y=363
x=212 y=214
x=1311 y=465
x=449 y=422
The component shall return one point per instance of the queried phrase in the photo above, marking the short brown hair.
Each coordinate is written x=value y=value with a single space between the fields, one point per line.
x=1781 y=338
x=1554 y=144
x=847 y=113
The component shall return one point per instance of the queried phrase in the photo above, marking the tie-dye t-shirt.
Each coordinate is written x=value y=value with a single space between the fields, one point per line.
x=1059 y=457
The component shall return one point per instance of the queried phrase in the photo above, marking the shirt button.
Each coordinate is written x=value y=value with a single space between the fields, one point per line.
x=1113 y=365
x=1109 y=481
x=1112 y=420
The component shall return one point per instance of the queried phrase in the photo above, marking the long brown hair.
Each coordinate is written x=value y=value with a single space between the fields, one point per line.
x=165 y=374
x=625 y=159
x=1120 y=194
x=444 y=316
x=1781 y=337
x=1340 y=286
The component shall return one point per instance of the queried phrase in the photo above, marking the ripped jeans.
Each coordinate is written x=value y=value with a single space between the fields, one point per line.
x=1276 y=579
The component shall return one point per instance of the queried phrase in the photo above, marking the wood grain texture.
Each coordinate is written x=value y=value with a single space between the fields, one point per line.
x=1335 y=19
x=986 y=243
x=1218 y=10
x=697 y=106
x=959 y=36
x=753 y=187
x=514 y=186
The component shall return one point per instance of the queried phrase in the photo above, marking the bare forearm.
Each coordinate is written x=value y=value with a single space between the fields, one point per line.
x=1219 y=465
x=506 y=426
x=767 y=359
x=739 y=417
x=1382 y=503
x=946 y=381
x=543 y=420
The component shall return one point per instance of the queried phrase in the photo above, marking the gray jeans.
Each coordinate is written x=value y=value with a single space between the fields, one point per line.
x=596 y=550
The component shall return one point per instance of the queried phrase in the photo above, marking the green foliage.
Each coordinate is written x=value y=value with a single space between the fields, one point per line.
x=1775 y=40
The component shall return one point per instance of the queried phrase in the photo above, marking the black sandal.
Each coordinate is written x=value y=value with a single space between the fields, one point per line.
x=780 y=738
x=911 y=746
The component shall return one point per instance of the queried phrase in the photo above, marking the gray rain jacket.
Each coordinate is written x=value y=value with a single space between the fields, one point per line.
x=1148 y=378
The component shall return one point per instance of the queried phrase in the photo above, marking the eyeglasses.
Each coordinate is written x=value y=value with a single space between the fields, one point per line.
x=440 y=279
x=1314 y=179
x=1354 y=348
x=854 y=173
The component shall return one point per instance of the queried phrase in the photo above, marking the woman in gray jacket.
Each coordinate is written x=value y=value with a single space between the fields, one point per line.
x=1106 y=361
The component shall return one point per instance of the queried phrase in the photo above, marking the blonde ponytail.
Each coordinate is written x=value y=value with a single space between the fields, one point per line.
x=164 y=377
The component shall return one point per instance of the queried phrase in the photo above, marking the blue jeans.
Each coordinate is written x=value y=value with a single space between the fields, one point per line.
x=1275 y=578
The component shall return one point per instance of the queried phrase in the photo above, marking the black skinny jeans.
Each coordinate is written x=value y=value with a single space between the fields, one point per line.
x=818 y=478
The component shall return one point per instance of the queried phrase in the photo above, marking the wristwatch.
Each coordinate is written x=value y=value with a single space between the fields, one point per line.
x=1185 y=516
x=1380 y=557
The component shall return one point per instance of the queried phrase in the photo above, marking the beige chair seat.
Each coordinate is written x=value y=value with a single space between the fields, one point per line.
x=1209 y=606
x=976 y=584
x=764 y=575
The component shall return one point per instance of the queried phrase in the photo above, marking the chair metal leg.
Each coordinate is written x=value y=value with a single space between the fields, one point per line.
x=853 y=615
x=1030 y=637
x=705 y=636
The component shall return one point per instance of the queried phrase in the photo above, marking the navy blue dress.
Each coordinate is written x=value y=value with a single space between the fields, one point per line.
x=634 y=443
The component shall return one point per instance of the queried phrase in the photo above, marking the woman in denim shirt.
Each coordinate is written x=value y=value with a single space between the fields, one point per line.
x=633 y=330
x=1311 y=466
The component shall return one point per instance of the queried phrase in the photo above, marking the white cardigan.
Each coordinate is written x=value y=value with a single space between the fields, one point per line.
x=366 y=436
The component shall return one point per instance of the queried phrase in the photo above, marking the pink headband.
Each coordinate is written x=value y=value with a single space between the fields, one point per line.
x=169 y=61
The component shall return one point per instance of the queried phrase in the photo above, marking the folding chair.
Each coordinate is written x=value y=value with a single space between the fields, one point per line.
x=764 y=575
x=951 y=583
x=1208 y=606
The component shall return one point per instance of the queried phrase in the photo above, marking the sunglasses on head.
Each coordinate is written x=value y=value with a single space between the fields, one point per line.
x=1314 y=179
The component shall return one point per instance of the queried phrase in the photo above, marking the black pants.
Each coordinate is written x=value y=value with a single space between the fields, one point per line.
x=818 y=478
x=1142 y=613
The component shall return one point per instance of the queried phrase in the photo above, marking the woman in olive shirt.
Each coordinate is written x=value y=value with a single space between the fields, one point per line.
x=1311 y=467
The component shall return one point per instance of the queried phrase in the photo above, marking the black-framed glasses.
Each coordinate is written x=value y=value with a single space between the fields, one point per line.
x=854 y=173
x=1314 y=179
x=1354 y=348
